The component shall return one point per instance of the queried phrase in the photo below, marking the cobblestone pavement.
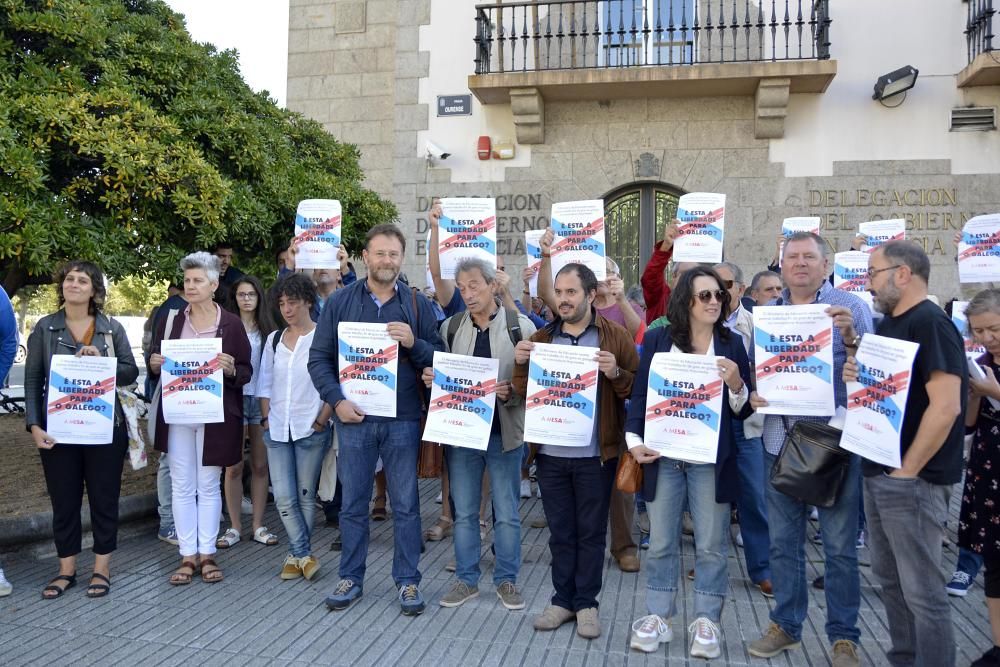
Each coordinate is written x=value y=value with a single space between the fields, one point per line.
x=253 y=618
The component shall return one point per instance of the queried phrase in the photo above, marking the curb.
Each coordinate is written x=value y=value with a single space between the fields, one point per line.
x=20 y=530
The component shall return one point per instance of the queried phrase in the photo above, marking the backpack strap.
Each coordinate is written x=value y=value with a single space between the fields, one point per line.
x=454 y=322
x=513 y=325
x=277 y=339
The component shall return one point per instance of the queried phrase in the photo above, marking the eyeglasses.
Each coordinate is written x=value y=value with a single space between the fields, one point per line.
x=871 y=273
x=705 y=296
x=246 y=296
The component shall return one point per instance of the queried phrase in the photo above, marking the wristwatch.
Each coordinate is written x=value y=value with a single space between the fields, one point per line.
x=853 y=343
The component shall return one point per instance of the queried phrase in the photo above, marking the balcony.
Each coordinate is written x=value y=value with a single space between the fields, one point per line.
x=984 y=62
x=530 y=52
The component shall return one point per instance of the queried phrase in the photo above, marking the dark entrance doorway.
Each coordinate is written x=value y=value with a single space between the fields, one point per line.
x=634 y=218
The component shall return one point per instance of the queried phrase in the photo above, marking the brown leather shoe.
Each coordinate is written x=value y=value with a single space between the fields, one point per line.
x=766 y=588
x=628 y=562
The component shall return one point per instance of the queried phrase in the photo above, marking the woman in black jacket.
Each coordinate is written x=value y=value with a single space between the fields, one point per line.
x=698 y=309
x=79 y=328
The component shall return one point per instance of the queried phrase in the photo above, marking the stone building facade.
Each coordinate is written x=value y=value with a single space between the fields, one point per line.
x=779 y=137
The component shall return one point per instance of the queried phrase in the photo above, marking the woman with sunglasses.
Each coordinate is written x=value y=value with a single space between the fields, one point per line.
x=698 y=308
x=248 y=300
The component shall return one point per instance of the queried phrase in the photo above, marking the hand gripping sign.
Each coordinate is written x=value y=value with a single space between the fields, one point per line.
x=468 y=228
x=979 y=250
x=318 y=234
x=793 y=350
x=81 y=400
x=561 y=395
x=368 y=360
x=876 y=402
x=463 y=401
x=850 y=274
x=533 y=250
x=702 y=229
x=878 y=232
x=192 y=381
x=683 y=406
x=579 y=236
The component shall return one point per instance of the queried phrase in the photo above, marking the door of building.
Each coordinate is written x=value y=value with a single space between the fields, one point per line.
x=634 y=219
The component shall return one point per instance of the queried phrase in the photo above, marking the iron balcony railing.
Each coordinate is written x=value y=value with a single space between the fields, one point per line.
x=979 y=27
x=588 y=34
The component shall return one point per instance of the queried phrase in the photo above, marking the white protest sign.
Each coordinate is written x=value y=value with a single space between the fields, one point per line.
x=850 y=273
x=533 y=250
x=368 y=359
x=793 y=351
x=561 y=395
x=463 y=400
x=318 y=225
x=702 y=218
x=684 y=407
x=81 y=400
x=192 y=381
x=878 y=232
x=961 y=322
x=979 y=250
x=579 y=236
x=467 y=229
x=876 y=402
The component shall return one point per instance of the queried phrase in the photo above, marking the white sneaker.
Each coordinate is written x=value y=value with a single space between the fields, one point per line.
x=246 y=507
x=525 y=488
x=814 y=514
x=649 y=632
x=538 y=491
x=439 y=498
x=704 y=639
x=5 y=586
x=739 y=538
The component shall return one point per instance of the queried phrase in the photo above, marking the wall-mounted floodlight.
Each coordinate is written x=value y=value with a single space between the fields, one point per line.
x=896 y=82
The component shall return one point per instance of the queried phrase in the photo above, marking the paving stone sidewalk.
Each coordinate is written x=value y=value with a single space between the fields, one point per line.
x=253 y=618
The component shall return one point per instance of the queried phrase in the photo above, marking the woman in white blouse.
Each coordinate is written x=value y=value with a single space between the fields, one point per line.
x=297 y=432
x=247 y=299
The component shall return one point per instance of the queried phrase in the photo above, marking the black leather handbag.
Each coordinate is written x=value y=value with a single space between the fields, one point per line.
x=812 y=466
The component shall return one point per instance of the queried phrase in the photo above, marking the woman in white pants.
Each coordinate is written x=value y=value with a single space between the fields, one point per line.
x=198 y=452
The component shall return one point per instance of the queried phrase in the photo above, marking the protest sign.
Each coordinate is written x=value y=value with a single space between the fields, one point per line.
x=878 y=232
x=850 y=273
x=368 y=359
x=533 y=250
x=684 y=406
x=979 y=250
x=318 y=234
x=793 y=349
x=192 y=381
x=579 y=236
x=702 y=218
x=561 y=395
x=81 y=400
x=467 y=228
x=876 y=402
x=463 y=400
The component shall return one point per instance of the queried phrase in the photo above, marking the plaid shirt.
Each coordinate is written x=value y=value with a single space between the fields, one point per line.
x=774 y=428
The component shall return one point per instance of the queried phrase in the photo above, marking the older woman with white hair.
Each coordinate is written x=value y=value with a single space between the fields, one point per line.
x=198 y=452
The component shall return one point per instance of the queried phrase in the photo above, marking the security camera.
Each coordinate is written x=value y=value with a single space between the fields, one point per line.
x=436 y=152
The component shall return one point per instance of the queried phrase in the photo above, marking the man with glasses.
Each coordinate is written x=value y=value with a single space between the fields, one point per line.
x=749 y=449
x=906 y=505
x=380 y=298
x=805 y=268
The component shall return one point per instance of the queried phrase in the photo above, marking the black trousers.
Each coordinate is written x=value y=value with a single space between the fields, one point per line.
x=575 y=496
x=67 y=469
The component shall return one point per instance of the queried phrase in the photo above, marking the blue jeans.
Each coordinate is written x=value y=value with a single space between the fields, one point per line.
x=752 y=504
x=905 y=527
x=465 y=475
x=969 y=562
x=295 y=468
x=677 y=481
x=361 y=445
x=164 y=494
x=787 y=519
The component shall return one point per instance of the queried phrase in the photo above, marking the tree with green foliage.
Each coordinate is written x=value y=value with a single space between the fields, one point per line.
x=124 y=142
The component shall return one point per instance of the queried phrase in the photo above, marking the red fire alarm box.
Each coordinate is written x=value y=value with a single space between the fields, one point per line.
x=484 y=148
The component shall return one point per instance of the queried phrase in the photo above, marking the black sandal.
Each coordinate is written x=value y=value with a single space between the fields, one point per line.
x=59 y=590
x=98 y=590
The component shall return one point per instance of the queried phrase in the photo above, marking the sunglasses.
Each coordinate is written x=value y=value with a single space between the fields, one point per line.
x=705 y=296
